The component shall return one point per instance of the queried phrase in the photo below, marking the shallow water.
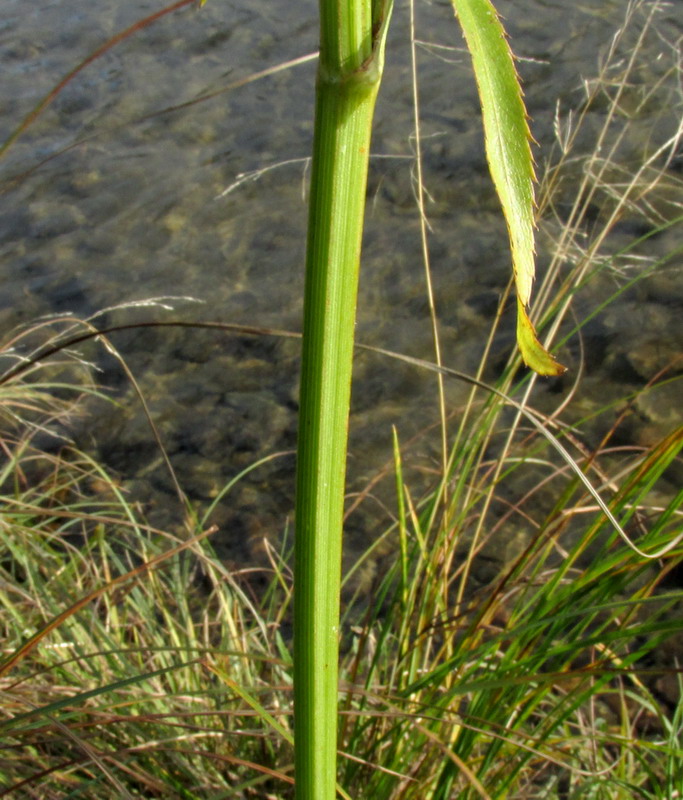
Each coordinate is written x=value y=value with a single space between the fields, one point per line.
x=110 y=199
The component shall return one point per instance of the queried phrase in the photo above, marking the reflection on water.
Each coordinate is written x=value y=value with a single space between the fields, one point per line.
x=116 y=203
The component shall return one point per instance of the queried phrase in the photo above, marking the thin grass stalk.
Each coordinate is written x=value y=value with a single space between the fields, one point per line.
x=349 y=73
x=424 y=240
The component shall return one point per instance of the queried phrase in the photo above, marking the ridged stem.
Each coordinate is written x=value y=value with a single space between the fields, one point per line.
x=348 y=81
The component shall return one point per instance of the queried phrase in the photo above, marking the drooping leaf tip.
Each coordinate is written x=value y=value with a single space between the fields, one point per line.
x=535 y=356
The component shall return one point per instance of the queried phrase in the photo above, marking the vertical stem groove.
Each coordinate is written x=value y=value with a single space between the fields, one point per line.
x=348 y=81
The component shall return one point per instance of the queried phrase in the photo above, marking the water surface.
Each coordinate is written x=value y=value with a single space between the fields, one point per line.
x=109 y=197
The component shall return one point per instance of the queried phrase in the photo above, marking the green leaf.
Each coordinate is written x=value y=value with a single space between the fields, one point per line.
x=533 y=352
x=508 y=152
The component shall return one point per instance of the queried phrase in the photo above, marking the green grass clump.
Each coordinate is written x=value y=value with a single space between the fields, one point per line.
x=137 y=664
x=110 y=628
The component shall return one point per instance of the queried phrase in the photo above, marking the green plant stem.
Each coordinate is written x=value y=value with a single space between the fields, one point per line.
x=348 y=80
